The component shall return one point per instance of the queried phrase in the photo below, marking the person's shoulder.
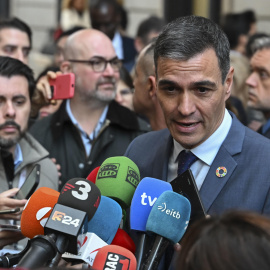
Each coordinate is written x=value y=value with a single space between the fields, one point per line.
x=124 y=118
x=152 y=137
x=40 y=125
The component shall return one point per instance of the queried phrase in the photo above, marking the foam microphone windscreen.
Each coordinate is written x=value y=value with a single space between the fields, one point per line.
x=93 y=175
x=122 y=239
x=169 y=216
x=118 y=178
x=106 y=220
x=81 y=194
x=145 y=195
x=114 y=257
x=37 y=210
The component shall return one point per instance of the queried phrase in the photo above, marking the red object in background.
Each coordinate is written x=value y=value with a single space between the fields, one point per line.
x=93 y=175
x=122 y=239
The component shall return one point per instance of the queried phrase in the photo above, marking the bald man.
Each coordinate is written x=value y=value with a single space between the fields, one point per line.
x=91 y=126
x=145 y=100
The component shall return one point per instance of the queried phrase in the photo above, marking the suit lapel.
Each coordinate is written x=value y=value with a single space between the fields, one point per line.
x=160 y=169
x=231 y=147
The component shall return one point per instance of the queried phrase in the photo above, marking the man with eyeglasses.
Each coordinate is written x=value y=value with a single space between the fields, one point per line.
x=91 y=126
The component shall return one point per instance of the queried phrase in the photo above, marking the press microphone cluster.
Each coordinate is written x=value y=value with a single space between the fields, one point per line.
x=82 y=218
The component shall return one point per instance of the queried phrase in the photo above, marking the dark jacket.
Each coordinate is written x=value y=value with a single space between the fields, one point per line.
x=63 y=141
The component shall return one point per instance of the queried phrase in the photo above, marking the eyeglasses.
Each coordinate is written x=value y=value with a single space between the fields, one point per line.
x=99 y=64
x=126 y=91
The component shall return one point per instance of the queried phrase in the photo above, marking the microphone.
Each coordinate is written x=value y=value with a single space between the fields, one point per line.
x=37 y=210
x=8 y=260
x=101 y=228
x=93 y=175
x=168 y=219
x=118 y=178
x=106 y=220
x=114 y=257
x=122 y=239
x=88 y=250
x=67 y=223
x=145 y=195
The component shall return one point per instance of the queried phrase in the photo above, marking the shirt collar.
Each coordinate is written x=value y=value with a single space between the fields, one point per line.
x=266 y=126
x=118 y=45
x=18 y=156
x=76 y=123
x=207 y=151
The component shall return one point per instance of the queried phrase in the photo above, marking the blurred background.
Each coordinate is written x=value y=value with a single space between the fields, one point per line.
x=43 y=16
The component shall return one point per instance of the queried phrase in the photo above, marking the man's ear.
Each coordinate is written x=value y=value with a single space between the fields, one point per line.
x=152 y=86
x=228 y=83
x=138 y=44
x=66 y=67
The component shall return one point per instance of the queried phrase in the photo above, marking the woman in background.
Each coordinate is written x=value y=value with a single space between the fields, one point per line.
x=74 y=13
x=124 y=92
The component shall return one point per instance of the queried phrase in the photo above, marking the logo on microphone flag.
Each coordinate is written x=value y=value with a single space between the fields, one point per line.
x=108 y=170
x=116 y=261
x=132 y=177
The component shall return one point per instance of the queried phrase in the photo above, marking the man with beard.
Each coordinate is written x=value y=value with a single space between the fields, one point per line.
x=19 y=151
x=91 y=126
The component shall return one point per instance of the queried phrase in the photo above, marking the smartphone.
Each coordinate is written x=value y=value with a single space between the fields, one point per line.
x=9 y=227
x=62 y=86
x=185 y=185
x=30 y=184
x=10 y=211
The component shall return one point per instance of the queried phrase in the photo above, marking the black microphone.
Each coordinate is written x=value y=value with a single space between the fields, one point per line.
x=8 y=260
x=67 y=223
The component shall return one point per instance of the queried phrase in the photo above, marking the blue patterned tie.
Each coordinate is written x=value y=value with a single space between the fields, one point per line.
x=185 y=160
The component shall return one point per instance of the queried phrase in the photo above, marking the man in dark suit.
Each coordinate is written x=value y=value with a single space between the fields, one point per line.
x=259 y=81
x=194 y=79
x=106 y=17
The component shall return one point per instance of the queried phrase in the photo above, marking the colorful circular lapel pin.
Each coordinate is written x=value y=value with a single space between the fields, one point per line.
x=221 y=171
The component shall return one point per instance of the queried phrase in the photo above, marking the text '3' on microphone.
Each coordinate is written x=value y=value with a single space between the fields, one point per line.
x=77 y=203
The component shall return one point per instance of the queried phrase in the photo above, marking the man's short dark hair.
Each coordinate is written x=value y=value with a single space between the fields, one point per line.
x=153 y=23
x=17 y=24
x=189 y=36
x=10 y=67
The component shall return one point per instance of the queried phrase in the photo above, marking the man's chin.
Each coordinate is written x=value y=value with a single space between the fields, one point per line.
x=9 y=142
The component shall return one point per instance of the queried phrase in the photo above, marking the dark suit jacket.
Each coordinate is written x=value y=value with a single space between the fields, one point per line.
x=244 y=153
x=129 y=52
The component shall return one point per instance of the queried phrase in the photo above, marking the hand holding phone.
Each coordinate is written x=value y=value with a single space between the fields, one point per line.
x=62 y=86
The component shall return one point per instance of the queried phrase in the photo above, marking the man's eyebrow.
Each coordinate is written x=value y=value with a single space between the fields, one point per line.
x=166 y=82
x=206 y=83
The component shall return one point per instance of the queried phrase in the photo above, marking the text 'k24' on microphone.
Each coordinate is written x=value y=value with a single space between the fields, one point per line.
x=101 y=230
x=118 y=178
x=78 y=200
x=145 y=195
x=168 y=220
x=114 y=258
